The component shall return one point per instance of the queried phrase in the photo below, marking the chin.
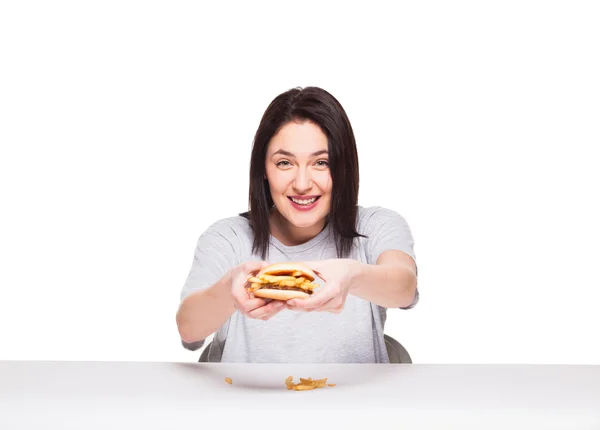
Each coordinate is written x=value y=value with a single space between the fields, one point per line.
x=299 y=224
x=302 y=220
x=305 y=221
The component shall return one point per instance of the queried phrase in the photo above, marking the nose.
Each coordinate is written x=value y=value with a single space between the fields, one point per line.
x=302 y=181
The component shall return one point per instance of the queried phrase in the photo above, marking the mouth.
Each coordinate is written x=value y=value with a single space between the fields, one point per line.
x=304 y=202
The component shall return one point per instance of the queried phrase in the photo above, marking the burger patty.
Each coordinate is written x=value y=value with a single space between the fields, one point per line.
x=278 y=287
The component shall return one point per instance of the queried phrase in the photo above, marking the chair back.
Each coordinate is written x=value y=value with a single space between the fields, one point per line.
x=396 y=352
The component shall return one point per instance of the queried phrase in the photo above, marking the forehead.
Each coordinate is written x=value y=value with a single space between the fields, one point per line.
x=299 y=138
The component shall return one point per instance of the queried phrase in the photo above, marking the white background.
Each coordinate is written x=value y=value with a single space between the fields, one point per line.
x=126 y=129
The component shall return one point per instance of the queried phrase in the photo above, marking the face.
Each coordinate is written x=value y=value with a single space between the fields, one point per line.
x=297 y=169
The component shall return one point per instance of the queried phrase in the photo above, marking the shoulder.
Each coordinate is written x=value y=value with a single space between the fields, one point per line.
x=385 y=229
x=237 y=222
x=372 y=218
x=232 y=229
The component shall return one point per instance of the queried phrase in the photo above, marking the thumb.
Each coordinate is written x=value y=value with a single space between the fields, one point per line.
x=312 y=264
x=315 y=265
x=254 y=266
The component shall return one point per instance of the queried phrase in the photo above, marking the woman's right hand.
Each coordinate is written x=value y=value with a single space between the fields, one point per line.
x=252 y=307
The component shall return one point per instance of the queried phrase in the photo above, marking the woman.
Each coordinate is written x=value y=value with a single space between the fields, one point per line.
x=303 y=207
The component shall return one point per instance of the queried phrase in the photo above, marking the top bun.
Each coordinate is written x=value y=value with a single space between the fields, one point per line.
x=282 y=269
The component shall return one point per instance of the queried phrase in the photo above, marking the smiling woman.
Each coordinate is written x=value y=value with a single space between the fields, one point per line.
x=298 y=181
x=303 y=200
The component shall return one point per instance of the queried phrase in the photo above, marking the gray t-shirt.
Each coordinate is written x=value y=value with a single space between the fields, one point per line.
x=353 y=336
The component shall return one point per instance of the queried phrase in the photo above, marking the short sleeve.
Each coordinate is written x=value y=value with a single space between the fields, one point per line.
x=213 y=257
x=386 y=230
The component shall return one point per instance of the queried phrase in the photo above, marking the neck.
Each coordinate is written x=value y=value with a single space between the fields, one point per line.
x=289 y=234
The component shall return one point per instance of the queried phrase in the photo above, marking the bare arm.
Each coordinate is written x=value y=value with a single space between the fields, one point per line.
x=391 y=283
x=201 y=313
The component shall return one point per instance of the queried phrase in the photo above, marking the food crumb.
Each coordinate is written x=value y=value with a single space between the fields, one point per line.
x=228 y=380
x=306 y=383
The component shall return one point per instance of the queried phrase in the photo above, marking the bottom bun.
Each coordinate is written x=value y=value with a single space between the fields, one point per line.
x=267 y=293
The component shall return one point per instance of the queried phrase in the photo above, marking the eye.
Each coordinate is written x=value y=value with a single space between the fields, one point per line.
x=283 y=163
x=322 y=163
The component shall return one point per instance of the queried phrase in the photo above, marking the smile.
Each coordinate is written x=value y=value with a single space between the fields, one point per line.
x=304 y=202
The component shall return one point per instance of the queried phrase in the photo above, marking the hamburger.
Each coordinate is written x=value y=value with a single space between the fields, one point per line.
x=283 y=281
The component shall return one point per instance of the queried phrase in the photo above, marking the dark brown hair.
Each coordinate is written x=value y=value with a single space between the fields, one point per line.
x=321 y=108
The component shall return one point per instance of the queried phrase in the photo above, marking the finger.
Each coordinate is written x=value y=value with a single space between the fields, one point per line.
x=315 y=266
x=256 y=263
x=241 y=277
x=267 y=311
x=329 y=304
x=311 y=303
x=251 y=267
x=248 y=305
x=332 y=306
x=248 y=270
x=317 y=300
x=241 y=294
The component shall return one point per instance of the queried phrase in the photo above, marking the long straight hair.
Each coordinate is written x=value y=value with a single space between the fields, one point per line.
x=321 y=108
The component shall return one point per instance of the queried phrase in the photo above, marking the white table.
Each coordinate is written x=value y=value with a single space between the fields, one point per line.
x=149 y=395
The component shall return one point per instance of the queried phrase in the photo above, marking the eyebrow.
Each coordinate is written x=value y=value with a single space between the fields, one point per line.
x=289 y=154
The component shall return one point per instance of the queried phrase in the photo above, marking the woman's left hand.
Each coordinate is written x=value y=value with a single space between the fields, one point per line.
x=337 y=274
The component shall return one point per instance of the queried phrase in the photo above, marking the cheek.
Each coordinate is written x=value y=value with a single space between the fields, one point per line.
x=277 y=183
x=325 y=184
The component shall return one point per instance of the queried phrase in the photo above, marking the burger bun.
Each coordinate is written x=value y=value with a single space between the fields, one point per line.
x=267 y=293
x=277 y=269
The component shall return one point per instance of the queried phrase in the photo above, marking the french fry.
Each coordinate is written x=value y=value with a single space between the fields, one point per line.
x=276 y=279
x=306 y=384
x=320 y=383
x=288 y=382
x=306 y=286
x=282 y=277
x=228 y=380
x=301 y=387
x=287 y=283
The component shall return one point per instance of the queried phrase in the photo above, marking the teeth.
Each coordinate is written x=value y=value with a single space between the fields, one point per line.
x=304 y=202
